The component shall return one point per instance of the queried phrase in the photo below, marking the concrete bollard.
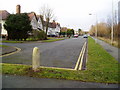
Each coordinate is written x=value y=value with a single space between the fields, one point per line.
x=35 y=59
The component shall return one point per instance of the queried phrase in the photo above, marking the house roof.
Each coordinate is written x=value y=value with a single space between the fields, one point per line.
x=4 y=14
x=37 y=16
x=31 y=15
x=52 y=25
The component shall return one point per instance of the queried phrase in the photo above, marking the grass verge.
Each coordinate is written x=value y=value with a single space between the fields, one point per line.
x=9 y=41
x=3 y=46
x=101 y=67
x=31 y=40
x=115 y=43
x=52 y=40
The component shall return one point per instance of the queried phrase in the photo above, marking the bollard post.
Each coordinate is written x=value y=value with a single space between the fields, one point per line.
x=35 y=59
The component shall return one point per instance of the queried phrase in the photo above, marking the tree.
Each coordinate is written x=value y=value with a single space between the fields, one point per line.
x=47 y=14
x=18 y=26
x=70 y=32
x=79 y=31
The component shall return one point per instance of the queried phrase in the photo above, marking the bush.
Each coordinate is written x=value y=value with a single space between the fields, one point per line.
x=18 y=26
x=39 y=35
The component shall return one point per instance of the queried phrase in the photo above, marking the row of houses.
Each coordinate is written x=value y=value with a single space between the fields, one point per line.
x=53 y=27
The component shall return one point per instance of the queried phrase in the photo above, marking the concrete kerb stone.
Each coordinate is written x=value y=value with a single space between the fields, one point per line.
x=11 y=52
x=45 y=67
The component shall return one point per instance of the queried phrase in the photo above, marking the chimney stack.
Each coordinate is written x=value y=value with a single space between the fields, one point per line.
x=18 y=7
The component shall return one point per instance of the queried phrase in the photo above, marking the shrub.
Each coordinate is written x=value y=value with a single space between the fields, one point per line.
x=39 y=35
x=18 y=26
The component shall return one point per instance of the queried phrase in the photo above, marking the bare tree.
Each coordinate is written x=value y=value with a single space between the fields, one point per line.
x=47 y=15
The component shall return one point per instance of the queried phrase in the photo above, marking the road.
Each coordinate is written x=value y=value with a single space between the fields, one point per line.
x=63 y=54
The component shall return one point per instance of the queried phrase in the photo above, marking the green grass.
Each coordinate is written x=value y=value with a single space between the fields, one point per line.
x=4 y=46
x=52 y=40
x=101 y=64
x=101 y=67
x=9 y=41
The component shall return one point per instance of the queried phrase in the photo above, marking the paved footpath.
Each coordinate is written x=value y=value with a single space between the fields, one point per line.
x=10 y=81
x=110 y=49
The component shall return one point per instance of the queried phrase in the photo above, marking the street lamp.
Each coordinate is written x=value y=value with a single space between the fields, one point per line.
x=95 y=27
x=112 y=24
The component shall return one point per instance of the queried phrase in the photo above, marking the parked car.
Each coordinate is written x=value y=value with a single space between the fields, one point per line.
x=52 y=35
x=85 y=36
x=75 y=35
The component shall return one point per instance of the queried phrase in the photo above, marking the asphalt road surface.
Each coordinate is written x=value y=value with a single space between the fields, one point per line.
x=63 y=54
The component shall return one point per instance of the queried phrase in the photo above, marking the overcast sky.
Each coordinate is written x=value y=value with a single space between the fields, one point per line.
x=69 y=13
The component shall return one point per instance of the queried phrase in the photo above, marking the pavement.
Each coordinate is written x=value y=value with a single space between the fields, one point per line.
x=113 y=51
x=10 y=81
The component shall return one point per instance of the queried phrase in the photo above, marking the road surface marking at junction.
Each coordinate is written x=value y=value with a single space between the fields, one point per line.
x=42 y=66
x=56 y=68
x=81 y=61
x=79 y=58
x=17 y=50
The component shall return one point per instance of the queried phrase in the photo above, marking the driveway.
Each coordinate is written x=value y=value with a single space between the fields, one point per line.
x=63 y=54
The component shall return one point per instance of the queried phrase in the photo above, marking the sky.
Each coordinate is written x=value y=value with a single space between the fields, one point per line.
x=73 y=14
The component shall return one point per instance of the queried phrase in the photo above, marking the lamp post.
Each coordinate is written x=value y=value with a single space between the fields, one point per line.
x=112 y=25
x=96 y=28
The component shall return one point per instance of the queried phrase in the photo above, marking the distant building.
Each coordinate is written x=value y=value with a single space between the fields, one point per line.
x=76 y=32
x=54 y=28
x=63 y=29
x=119 y=12
x=3 y=16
